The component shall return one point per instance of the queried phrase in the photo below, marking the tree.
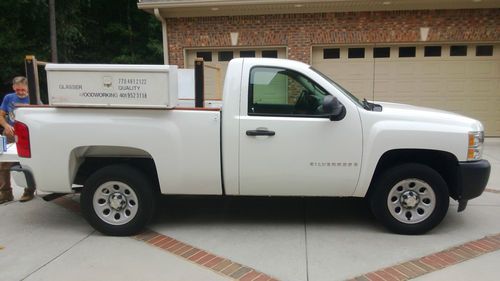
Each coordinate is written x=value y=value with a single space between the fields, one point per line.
x=53 y=30
x=117 y=32
x=23 y=30
x=88 y=31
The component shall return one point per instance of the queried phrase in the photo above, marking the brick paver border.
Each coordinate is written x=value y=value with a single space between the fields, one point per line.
x=220 y=265
x=417 y=267
x=202 y=258
x=403 y=271
x=68 y=203
x=492 y=190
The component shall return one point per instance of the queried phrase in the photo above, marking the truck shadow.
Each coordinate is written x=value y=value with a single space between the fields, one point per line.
x=182 y=210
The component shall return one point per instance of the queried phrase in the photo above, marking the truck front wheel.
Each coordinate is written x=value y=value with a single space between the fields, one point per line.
x=410 y=198
x=117 y=200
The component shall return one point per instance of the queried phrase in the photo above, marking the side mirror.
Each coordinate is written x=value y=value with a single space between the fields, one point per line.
x=333 y=108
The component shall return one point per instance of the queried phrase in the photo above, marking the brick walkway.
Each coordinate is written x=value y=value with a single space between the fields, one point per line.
x=436 y=261
x=226 y=267
x=203 y=258
x=492 y=190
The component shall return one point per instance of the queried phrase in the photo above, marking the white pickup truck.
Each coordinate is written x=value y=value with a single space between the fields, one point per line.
x=283 y=129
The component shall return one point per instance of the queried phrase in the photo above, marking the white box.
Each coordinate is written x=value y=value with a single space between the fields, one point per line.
x=3 y=141
x=112 y=85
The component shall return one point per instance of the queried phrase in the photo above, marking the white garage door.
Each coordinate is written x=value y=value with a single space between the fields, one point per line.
x=220 y=59
x=463 y=78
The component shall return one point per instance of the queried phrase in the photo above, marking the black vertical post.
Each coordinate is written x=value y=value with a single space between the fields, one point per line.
x=32 y=75
x=199 y=87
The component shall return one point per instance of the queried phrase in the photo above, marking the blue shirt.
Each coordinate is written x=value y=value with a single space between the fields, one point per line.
x=9 y=104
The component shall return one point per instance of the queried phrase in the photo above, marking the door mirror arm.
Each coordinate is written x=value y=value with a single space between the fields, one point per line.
x=333 y=108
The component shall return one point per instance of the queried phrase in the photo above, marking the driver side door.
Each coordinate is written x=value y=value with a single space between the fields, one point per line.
x=287 y=144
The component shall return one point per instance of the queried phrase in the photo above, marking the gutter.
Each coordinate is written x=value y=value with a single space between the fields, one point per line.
x=211 y=3
x=164 y=35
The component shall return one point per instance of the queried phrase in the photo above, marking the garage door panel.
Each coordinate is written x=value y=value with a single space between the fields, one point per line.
x=405 y=87
x=358 y=70
x=487 y=106
x=430 y=101
x=452 y=104
x=481 y=104
x=351 y=72
x=490 y=125
x=481 y=68
x=455 y=68
x=384 y=70
x=430 y=86
x=403 y=69
x=359 y=88
x=429 y=69
x=456 y=87
x=482 y=87
x=399 y=99
x=384 y=87
x=468 y=85
x=327 y=70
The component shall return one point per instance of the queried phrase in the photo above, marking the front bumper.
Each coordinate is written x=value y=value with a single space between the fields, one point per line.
x=472 y=178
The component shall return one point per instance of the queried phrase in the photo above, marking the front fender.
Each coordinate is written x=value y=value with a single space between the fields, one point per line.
x=385 y=136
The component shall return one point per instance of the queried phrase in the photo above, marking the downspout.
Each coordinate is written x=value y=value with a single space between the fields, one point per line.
x=164 y=35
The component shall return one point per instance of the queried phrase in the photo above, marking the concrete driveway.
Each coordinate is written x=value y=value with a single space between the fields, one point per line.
x=211 y=238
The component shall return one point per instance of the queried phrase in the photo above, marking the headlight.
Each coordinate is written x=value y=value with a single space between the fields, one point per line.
x=475 y=149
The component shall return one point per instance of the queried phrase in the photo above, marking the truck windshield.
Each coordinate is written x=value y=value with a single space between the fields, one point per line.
x=340 y=88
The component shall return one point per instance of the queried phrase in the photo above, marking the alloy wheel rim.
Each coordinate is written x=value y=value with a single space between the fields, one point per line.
x=115 y=203
x=411 y=201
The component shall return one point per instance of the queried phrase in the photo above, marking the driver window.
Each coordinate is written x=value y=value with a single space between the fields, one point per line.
x=283 y=92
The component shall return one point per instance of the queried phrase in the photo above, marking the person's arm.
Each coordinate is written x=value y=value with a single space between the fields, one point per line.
x=7 y=129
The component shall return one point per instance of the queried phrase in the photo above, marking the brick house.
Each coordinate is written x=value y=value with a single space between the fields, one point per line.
x=436 y=53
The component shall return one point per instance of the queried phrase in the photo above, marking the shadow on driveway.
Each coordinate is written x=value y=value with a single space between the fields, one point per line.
x=263 y=210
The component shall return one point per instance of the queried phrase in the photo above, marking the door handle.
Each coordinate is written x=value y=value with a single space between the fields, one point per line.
x=260 y=133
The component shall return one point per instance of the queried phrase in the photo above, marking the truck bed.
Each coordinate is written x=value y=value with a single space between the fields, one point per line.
x=181 y=143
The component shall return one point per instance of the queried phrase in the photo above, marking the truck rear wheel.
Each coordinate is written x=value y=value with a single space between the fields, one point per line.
x=410 y=198
x=118 y=200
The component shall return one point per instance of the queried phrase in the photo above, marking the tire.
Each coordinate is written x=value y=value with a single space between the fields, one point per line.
x=118 y=200
x=410 y=199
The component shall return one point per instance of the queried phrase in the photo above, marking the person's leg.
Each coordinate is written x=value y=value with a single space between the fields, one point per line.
x=5 y=187
x=29 y=193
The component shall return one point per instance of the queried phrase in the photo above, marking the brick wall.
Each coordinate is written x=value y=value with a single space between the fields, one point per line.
x=300 y=31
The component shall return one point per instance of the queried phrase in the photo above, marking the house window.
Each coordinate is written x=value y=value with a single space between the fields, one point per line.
x=407 y=52
x=432 y=51
x=458 y=51
x=356 y=53
x=382 y=52
x=247 y=54
x=206 y=56
x=226 y=56
x=270 y=54
x=484 y=51
x=333 y=53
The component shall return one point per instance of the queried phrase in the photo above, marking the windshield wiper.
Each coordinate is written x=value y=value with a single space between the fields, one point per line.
x=366 y=105
x=371 y=106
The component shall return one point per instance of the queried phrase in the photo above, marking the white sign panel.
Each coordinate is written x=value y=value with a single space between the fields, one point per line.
x=186 y=83
x=112 y=85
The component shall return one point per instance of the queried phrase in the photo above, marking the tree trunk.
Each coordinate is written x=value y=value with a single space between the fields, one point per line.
x=53 y=33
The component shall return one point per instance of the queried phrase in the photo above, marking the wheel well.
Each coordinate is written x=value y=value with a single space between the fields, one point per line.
x=92 y=164
x=445 y=163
